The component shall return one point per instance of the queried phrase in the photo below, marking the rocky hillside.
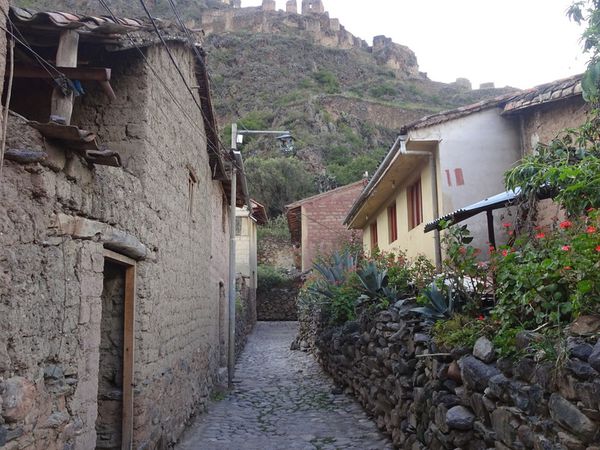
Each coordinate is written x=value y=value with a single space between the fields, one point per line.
x=342 y=99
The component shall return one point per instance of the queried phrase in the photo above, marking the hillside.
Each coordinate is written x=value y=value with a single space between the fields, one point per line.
x=342 y=99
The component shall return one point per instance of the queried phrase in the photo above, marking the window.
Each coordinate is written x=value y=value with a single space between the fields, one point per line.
x=392 y=223
x=373 y=228
x=415 y=205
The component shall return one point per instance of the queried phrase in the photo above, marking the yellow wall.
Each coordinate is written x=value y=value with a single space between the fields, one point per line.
x=414 y=242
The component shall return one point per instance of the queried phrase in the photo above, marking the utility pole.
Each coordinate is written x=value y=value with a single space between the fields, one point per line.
x=232 y=219
x=287 y=141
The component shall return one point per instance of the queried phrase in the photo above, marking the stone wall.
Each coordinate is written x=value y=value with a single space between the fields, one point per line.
x=52 y=273
x=280 y=303
x=466 y=398
x=245 y=314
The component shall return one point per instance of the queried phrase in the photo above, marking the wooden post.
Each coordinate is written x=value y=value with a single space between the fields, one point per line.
x=128 y=344
x=128 y=358
x=66 y=56
x=490 y=226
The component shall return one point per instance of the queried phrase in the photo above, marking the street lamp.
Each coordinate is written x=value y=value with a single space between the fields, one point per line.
x=286 y=141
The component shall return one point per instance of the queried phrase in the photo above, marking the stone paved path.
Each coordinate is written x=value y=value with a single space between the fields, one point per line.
x=282 y=401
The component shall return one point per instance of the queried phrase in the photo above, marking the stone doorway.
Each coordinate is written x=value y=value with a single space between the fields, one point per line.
x=115 y=375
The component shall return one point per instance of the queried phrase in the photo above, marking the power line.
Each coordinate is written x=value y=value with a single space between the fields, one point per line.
x=162 y=82
x=172 y=58
x=191 y=43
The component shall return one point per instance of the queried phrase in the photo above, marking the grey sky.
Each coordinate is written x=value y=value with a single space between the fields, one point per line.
x=519 y=43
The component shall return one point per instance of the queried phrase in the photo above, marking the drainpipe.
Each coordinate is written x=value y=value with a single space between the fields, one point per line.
x=434 y=193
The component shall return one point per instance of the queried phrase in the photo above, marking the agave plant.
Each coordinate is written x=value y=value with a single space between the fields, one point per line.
x=375 y=282
x=441 y=304
x=334 y=273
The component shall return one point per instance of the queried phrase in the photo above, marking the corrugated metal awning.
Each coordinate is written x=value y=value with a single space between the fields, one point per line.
x=498 y=201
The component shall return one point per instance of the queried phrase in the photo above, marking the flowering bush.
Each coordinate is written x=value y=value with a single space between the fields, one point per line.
x=551 y=278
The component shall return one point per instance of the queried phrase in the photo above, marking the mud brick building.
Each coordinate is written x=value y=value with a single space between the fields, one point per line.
x=114 y=230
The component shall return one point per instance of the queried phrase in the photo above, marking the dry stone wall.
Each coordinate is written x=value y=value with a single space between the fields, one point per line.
x=279 y=303
x=51 y=278
x=467 y=399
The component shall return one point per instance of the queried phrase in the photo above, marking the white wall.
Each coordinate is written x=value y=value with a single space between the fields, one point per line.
x=483 y=145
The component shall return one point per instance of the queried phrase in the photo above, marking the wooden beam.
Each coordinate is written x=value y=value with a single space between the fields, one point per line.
x=66 y=56
x=118 y=258
x=73 y=73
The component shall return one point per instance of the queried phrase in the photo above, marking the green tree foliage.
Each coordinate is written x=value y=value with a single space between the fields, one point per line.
x=588 y=12
x=276 y=182
x=352 y=169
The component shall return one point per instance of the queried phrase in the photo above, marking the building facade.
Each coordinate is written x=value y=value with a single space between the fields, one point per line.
x=316 y=223
x=113 y=255
x=456 y=158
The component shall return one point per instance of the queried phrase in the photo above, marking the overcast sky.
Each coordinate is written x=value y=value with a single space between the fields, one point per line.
x=520 y=43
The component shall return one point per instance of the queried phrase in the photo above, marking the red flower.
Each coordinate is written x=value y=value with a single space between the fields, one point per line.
x=507 y=225
x=591 y=209
x=540 y=236
x=591 y=229
x=481 y=317
x=568 y=268
x=566 y=224
x=504 y=252
x=566 y=248
x=462 y=251
x=598 y=248
x=492 y=249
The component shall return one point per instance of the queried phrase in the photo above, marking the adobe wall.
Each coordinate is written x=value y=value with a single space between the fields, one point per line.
x=543 y=123
x=52 y=279
x=323 y=228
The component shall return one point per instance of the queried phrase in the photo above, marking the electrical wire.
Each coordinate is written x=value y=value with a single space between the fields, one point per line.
x=7 y=106
x=171 y=57
x=162 y=82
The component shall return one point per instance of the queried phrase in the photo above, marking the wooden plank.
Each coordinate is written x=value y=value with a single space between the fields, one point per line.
x=73 y=73
x=128 y=358
x=66 y=56
x=119 y=258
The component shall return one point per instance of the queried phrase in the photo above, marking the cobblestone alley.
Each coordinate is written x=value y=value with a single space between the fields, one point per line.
x=282 y=400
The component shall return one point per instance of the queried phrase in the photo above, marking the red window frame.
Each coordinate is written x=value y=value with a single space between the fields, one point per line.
x=392 y=223
x=374 y=240
x=415 y=205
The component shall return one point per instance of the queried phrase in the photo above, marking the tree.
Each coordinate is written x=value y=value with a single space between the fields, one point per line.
x=279 y=181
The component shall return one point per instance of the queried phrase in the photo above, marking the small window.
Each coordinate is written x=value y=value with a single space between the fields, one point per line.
x=415 y=205
x=392 y=223
x=374 y=242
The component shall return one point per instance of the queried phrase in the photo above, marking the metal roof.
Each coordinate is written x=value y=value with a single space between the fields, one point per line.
x=489 y=204
x=497 y=201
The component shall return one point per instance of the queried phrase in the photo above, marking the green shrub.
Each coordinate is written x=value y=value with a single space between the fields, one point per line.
x=270 y=277
x=551 y=278
x=385 y=89
x=328 y=81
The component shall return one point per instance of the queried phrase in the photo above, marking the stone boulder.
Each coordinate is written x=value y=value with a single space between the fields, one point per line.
x=18 y=395
x=475 y=373
x=571 y=418
x=484 y=350
x=460 y=418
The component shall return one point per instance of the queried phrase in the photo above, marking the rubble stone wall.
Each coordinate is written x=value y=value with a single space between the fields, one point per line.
x=278 y=304
x=51 y=279
x=466 y=398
